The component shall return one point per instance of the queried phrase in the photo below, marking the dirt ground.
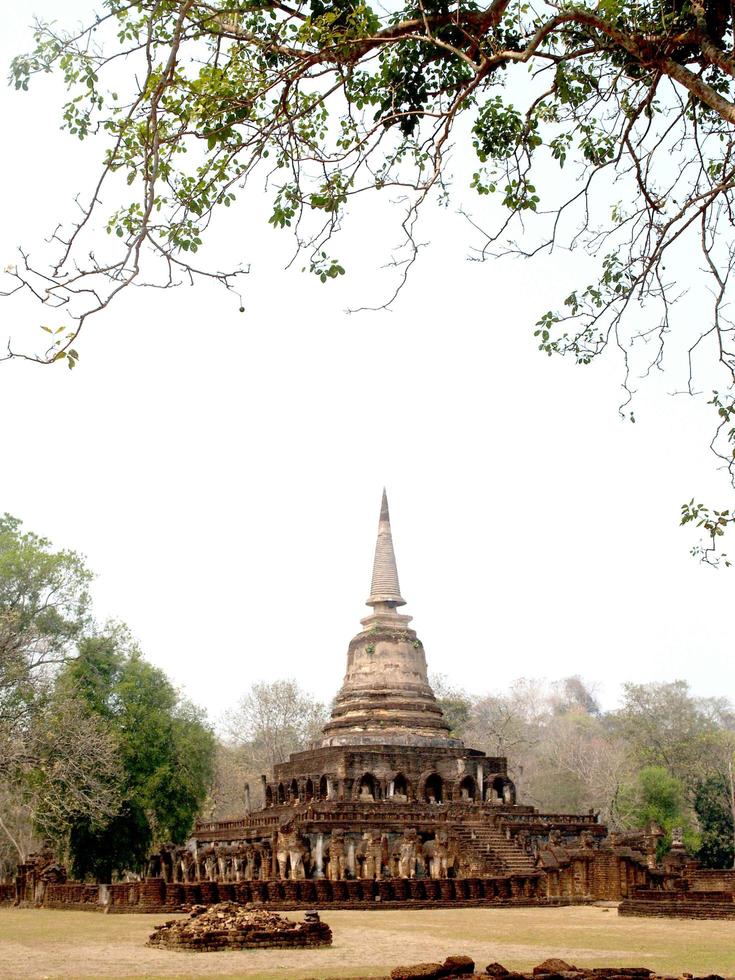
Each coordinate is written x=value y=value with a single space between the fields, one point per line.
x=44 y=944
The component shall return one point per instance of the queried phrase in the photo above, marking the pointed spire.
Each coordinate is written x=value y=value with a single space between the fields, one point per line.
x=385 y=587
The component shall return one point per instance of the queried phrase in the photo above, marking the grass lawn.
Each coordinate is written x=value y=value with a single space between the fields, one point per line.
x=44 y=943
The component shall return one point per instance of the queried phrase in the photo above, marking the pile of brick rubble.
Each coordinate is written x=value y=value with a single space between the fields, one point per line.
x=231 y=926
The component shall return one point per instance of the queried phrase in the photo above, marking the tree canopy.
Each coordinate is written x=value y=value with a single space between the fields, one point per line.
x=57 y=761
x=332 y=99
x=610 y=124
x=99 y=754
x=166 y=752
x=270 y=722
x=663 y=755
x=44 y=609
x=275 y=719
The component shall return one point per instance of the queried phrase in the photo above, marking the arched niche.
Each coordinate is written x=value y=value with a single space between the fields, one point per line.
x=433 y=788
x=495 y=790
x=400 y=786
x=367 y=787
x=468 y=788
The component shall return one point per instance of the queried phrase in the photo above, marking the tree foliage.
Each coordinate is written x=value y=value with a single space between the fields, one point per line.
x=234 y=769
x=713 y=807
x=165 y=747
x=657 y=796
x=44 y=609
x=273 y=720
x=122 y=844
x=664 y=755
x=269 y=723
x=610 y=124
x=58 y=765
x=665 y=725
x=57 y=761
x=454 y=702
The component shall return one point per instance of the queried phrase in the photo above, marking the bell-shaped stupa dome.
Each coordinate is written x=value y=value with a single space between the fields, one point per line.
x=386 y=698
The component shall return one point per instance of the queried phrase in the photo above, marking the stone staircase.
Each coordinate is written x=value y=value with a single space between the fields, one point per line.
x=492 y=852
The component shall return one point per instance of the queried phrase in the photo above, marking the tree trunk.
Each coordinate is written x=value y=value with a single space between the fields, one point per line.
x=732 y=803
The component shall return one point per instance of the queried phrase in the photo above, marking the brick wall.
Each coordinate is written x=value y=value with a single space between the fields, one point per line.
x=156 y=895
x=679 y=905
x=703 y=880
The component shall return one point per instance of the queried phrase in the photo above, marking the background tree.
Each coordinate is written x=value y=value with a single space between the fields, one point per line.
x=166 y=751
x=666 y=726
x=57 y=761
x=574 y=694
x=454 y=702
x=44 y=609
x=580 y=765
x=657 y=796
x=664 y=754
x=233 y=769
x=272 y=721
x=692 y=738
x=59 y=765
x=715 y=818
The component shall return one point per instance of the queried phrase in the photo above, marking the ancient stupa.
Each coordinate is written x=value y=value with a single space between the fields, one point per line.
x=387 y=738
x=385 y=697
x=392 y=807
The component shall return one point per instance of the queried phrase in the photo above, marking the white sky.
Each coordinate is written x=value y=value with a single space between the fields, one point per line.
x=222 y=472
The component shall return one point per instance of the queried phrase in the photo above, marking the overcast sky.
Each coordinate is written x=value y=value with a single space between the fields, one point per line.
x=222 y=471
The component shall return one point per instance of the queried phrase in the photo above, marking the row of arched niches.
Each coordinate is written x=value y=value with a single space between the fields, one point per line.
x=430 y=788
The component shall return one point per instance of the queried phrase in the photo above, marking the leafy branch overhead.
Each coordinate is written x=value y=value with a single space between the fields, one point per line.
x=606 y=126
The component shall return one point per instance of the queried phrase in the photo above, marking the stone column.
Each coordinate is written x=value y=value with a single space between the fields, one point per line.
x=319 y=856
x=247 y=797
x=480 y=783
x=351 y=858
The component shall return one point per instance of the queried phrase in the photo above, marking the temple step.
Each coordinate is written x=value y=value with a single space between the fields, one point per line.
x=492 y=853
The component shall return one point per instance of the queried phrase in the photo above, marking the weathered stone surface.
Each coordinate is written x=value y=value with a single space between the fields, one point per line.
x=573 y=973
x=622 y=971
x=386 y=696
x=459 y=966
x=230 y=926
x=681 y=904
x=426 y=971
x=552 y=965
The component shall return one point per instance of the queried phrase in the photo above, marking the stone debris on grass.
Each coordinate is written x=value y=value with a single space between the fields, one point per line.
x=453 y=966
x=553 y=965
x=232 y=926
x=551 y=969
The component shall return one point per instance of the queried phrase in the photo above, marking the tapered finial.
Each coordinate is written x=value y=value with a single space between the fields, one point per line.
x=385 y=587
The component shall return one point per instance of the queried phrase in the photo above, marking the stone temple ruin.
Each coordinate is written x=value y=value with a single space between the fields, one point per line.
x=392 y=808
x=389 y=810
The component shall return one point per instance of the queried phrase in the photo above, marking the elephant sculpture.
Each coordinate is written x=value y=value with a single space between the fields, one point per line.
x=337 y=863
x=408 y=849
x=291 y=850
x=440 y=854
x=370 y=854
